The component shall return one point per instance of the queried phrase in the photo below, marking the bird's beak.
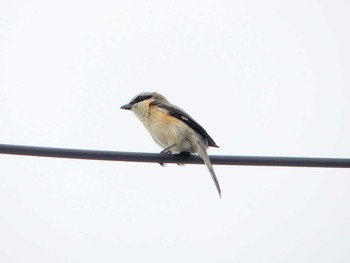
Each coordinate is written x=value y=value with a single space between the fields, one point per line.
x=126 y=107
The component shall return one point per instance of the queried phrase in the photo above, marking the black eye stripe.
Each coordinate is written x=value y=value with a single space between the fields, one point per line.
x=141 y=98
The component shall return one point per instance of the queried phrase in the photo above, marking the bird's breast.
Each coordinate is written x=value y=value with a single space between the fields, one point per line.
x=167 y=130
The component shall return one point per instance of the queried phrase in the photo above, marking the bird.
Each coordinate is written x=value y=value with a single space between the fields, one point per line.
x=172 y=128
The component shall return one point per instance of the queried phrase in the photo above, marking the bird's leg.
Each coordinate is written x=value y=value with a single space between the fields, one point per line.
x=167 y=151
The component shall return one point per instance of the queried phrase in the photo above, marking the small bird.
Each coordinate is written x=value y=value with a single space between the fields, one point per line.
x=172 y=128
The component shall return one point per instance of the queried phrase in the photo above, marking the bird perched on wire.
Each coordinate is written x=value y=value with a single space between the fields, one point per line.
x=172 y=128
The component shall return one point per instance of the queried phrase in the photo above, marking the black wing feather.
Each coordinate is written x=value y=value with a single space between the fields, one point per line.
x=183 y=116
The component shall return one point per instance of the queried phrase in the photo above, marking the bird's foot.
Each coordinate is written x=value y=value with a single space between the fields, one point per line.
x=168 y=152
x=183 y=154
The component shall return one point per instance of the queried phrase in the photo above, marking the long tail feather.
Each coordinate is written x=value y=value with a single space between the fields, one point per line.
x=203 y=154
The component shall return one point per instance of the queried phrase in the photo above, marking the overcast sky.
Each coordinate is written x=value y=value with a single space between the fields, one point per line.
x=266 y=78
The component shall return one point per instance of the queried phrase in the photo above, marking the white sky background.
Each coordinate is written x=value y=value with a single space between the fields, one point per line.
x=262 y=77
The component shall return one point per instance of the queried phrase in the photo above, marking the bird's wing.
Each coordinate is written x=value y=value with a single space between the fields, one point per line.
x=183 y=116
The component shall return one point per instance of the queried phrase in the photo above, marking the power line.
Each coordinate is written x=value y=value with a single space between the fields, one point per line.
x=176 y=158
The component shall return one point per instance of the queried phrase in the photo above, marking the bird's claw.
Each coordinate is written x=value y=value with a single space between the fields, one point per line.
x=184 y=154
x=167 y=152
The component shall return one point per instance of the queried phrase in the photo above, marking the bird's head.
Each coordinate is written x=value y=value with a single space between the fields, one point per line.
x=141 y=103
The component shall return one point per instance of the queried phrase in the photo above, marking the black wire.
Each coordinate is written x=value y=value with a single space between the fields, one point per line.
x=176 y=158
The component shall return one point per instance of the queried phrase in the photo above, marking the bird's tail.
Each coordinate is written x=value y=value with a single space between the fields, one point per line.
x=203 y=154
